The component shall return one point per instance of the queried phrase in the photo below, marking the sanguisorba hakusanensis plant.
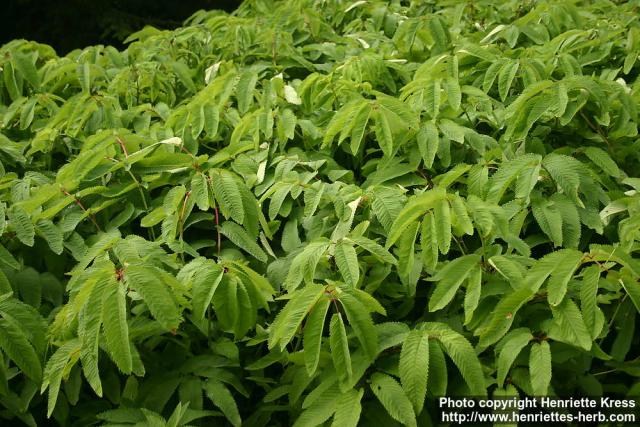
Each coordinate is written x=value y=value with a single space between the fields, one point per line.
x=321 y=211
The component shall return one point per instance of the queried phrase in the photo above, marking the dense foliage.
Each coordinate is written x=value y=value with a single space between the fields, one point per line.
x=314 y=212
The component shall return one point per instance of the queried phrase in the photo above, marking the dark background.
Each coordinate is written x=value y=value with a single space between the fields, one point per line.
x=71 y=24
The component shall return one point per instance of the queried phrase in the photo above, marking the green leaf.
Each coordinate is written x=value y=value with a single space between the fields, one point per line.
x=383 y=133
x=438 y=375
x=549 y=218
x=245 y=88
x=200 y=190
x=373 y=248
x=540 y=368
x=19 y=219
x=461 y=220
x=442 y=216
x=290 y=318
x=241 y=238
x=342 y=121
x=152 y=286
x=7 y=259
x=429 y=243
x=416 y=207
x=428 y=142
x=386 y=206
x=571 y=227
x=462 y=353
x=348 y=409
x=602 y=159
x=358 y=127
x=347 y=262
x=505 y=78
x=116 y=330
x=393 y=399
x=454 y=95
x=568 y=325
x=449 y=280
x=512 y=345
x=25 y=66
x=326 y=397
x=472 y=296
x=566 y=172
x=51 y=233
x=90 y=322
x=312 y=339
x=414 y=368
x=588 y=299
x=361 y=323
x=406 y=251
x=340 y=349
x=632 y=289
x=227 y=193
x=502 y=317
x=277 y=199
x=491 y=74
x=220 y=395
x=15 y=344
x=562 y=273
x=304 y=264
x=204 y=285
x=59 y=365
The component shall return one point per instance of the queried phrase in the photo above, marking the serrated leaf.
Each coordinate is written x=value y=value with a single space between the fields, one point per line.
x=414 y=208
x=312 y=339
x=20 y=221
x=393 y=399
x=374 y=249
x=204 y=285
x=562 y=273
x=15 y=344
x=116 y=330
x=414 y=368
x=505 y=78
x=428 y=143
x=454 y=95
x=200 y=191
x=90 y=322
x=513 y=343
x=244 y=90
x=502 y=317
x=227 y=193
x=602 y=159
x=220 y=395
x=569 y=326
x=152 y=287
x=361 y=323
x=290 y=318
x=449 y=279
x=348 y=409
x=347 y=262
x=473 y=292
x=462 y=353
x=340 y=349
x=241 y=238
x=58 y=364
x=383 y=133
x=588 y=298
x=540 y=368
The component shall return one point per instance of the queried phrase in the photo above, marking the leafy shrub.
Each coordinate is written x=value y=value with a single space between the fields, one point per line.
x=310 y=212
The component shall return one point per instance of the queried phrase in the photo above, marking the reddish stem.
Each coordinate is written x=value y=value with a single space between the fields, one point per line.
x=181 y=219
x=124 y=149
x=79 y=203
